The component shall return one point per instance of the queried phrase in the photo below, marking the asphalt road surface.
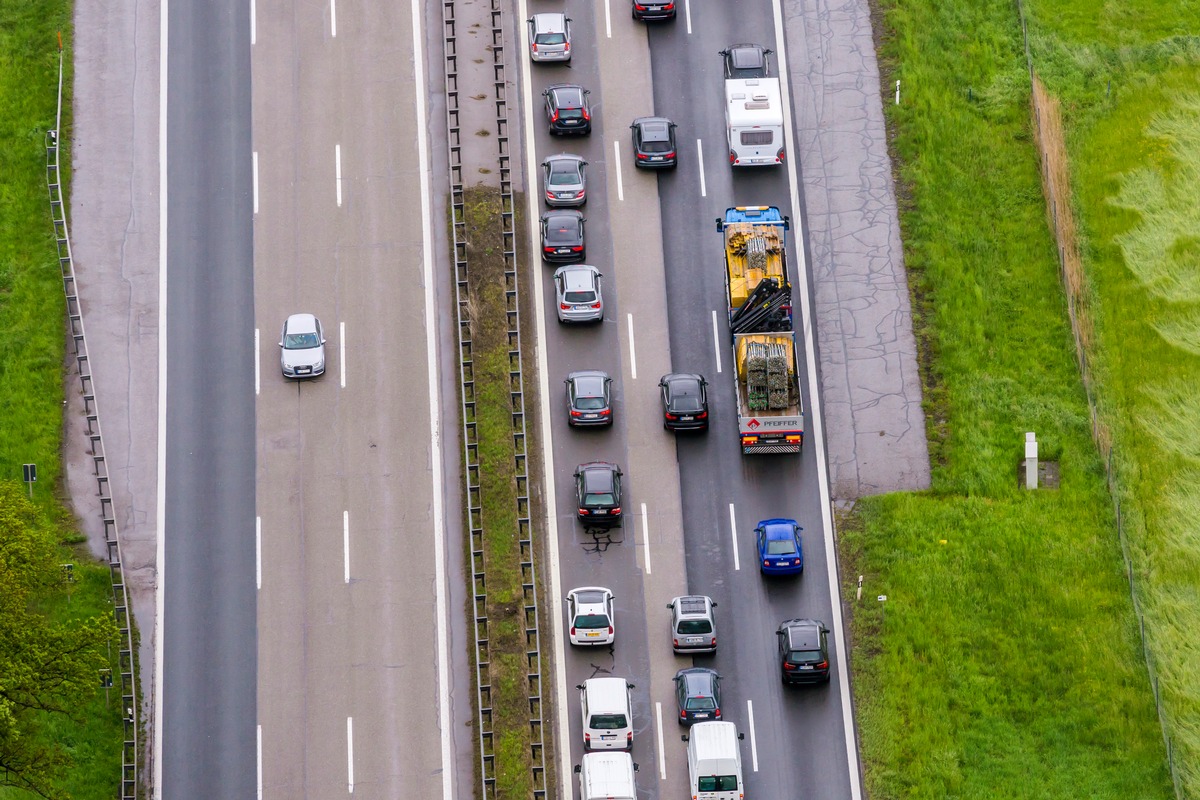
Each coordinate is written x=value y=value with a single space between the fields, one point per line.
x=653 y=237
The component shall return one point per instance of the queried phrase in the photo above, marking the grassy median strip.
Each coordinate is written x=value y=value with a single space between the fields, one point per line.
x=497 y=474
x=78 y=750
x=1006 y=660
x=1131 y=104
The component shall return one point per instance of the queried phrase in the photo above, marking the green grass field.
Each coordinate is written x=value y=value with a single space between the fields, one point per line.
x=1009 y=662
x=1129 y=79
x=31 y=359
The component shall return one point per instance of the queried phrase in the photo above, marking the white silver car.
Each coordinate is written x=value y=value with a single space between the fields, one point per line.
x=302 y=347
x=590 y=615
x=550 y=37
x=577 y=294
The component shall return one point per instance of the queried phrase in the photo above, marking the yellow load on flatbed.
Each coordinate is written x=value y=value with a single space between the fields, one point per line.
x=752 y=253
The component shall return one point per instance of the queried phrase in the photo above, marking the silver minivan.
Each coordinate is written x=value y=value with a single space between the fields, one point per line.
x=550 y=37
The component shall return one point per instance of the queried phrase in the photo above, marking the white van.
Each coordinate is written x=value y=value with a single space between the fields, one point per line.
x=714 y=761
x=607 y=714
x=606 y=776
x=754 y=121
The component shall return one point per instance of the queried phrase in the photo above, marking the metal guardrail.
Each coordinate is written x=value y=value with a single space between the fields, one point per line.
x=475 y=522
x=58 y=213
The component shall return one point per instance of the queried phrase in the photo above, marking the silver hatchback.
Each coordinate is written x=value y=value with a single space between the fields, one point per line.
x=550 y=37
x=577 y=290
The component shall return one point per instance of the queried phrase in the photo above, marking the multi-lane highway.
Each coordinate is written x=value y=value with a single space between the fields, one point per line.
x=690 y=503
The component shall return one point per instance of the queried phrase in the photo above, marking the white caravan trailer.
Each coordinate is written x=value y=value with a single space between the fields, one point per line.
x=754 y=121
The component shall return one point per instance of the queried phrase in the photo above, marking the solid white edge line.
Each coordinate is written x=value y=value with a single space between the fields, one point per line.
x=607 y=19
x=646 y=538
x=700 y=164
x=632 y=353
x=337 y=171
x=350 y=752
x=160 y=555
x=737 y=564
x=817 y=437
x=435 y=414
x=717 y=340
x=257 y=366
x=342 y=351
x=687 y=12
x=662 y=753
x=254 y=161
x=346 y=544
x=260 y=762
x=258 y=552
x=253 y=24
x=562 y=728
x=753 y=738
x=333 y=18
x=617 y=169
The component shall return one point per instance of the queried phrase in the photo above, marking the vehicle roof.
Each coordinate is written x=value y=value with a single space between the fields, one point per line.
x=716 y=744
x=567 y=94
x=747 y=55
x=560 y=215
x=692 y=605
x=302 y=323
x=654 y=129
x=589 y=383
x=699 y=680
x=606 y=694
x=756 y=214
x=563 y=158
x=582 y=592
x=760 y=94
x=550 y=22
x=609 y=774
x=598 y=475
x=777 y=528
x=578 y=276
x=802 y=634
x=590 y=599
x=684 y=383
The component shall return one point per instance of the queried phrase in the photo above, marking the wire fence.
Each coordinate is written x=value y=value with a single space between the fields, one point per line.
x=1055 y=179
x=83 y=369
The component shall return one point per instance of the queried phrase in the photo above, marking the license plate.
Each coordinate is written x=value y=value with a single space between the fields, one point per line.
x=303 y=370
x=607 y=737
x=599 y=512
x=781 y=563
x=656 y=158
x=564 y=250
x=806 y=666
x=589 y=416
x=700 y=716
x=695 y=639
x=591 y=635
x=687 y=418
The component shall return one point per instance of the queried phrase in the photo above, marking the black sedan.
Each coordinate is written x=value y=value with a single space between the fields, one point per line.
x=685 y=401
x=746 y=61
x=697 y=695
x=589 y=398
x=598 y=489
x=567 y=109
x=562 y=237
x=654 y=142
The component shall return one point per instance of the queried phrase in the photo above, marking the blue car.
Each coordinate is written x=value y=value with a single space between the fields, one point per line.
x=779 y=549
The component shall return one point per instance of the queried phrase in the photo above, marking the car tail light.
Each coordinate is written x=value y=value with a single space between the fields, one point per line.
x=572 y=630
x=555 y=117
x=610 y=630
x=642 y=156
x=675 y=642
x=713 y=643
x=549 y=249
x=629 y=738
x=534 y=47
x=595 y=305
x=788 y=667
x=779 y=156
x=567 y=47
x=766 y=563
x=575 y=413
x=616 y=510
x=587 y=739
x=583 y=512
x=717 y=715
x=702 y=415
x=795 y=562
x=577 y=249
x=669 y=155
x=639 y=6
x=549 y=195
x=795 y=438
x=822 y=665
x=733 y=159
x=605 y=412
x=745 y=439
x=586 y=115
x=669 y=7
x=579 y=195
x=682 y=714
x=672 y=416
x=565 y=306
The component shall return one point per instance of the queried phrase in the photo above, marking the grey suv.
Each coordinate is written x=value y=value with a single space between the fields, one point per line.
x=693 y=626
x=550 y=37
x=577 y=292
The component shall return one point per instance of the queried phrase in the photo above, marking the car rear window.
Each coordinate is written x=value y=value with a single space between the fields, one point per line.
x=803 y=656
x=589 y=403
x=580 y=297
x=570 y=113
x=609 y=722
x=687 y=403
x=752 y=138
x=564 y=178
x=700 y=704
x=780 y=548
x=693 y=626
x=599 y=499
x=717 y=783
x=551 y=38
x=656 y=147
x=591 y=621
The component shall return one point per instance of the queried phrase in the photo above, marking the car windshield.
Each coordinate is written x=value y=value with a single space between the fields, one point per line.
x=693 y=626
x=564 y=176
x=609 y=722
x=551 y=38
x=599 y=499
x=301 y=341
x=801 y=656
x=580 y=297
x=700 y=704
x=776 y=547
x=591 y=621
x=717 y=783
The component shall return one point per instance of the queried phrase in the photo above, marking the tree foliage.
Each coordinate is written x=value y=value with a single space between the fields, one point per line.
x=46 y=666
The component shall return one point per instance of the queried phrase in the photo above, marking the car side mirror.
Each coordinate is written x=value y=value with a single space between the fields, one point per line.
x=587 y=91
x=281 y=344
x=714 y=605
x=576 y=769
x=768 y=52
x=824 y=629
x=670 y=605
x=718 y=224
x=635 y=766
x=579 y=686
x=787 y=222
x=683 y=737
x=631 y=685
x=741 y=736
x=779 y=633
x=722 y=52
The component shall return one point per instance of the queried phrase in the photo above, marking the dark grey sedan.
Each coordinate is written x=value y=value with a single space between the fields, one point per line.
x=562 y=237
x=589 y=398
